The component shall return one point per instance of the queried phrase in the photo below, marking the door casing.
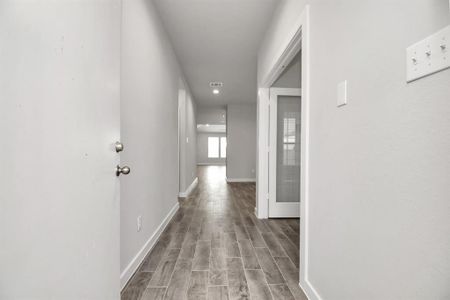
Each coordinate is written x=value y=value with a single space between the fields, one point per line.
x=296 y=38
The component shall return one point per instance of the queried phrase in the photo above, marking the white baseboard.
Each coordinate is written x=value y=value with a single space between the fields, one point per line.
x=211 y=164
x=309 y=290
x=189 y=189
x=126 y=275
x=258 y=216
x=241 y=179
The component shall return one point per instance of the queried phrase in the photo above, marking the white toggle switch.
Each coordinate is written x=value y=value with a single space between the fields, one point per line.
x=428 y=56
x=342 y=93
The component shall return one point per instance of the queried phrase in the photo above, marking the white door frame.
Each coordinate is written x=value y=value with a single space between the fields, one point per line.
x=296 y=40
x=289 y=209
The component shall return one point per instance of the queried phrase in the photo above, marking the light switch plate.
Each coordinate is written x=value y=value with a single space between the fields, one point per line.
x=139 y=223
x=428 y=56
x=342 y=93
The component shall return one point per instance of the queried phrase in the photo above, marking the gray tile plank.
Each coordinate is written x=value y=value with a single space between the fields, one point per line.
x=153 y=259
x=197 y=285
x=180 y=279
x=191 y=238
x=273 y=245
x=291 y=250
x=231 y=245
x=136 y=286
x=218 y=277
x=218 y=293
x=154 y=293
x=248 y=255
x=291 y=275
x=255 y=237
x=237 y=282
x=206 y=231
x=269 y=267
x=262 y=227
x=241 y=233
x=217 y=240
x=218 y=259
x=281 y=292
x=259 y=290
x=176 y=240
x=164 y=271
x=201 y=256
x=188 y=251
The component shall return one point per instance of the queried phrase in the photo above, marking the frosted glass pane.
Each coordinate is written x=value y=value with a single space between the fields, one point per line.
x=213 y=147
x=288 y=149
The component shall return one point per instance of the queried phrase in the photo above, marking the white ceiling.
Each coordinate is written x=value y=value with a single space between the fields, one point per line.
x=217 y=40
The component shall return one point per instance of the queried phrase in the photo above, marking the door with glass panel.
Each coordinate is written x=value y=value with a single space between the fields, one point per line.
x=284 y=153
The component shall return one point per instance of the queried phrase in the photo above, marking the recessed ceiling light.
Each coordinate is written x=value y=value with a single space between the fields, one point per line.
x=216 y=91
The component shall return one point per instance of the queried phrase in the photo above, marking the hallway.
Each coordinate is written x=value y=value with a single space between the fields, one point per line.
x=215 y=248
x=229 y=149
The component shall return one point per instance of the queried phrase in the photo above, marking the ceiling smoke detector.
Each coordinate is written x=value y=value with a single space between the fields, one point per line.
x=216 y=84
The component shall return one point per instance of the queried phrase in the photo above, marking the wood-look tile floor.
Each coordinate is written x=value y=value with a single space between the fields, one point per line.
x=215 y=248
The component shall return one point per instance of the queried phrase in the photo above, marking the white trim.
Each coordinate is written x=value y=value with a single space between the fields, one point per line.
x=126 y=275
x=189 y=189
x=309 y=290
x=299 y=35
x=241 y=179
x=262 y=188
x=211 y=164
x=286 y=55
x=312 y=293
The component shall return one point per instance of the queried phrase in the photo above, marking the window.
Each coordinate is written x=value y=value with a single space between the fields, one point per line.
x=213 y=147
x=223 y=147
x=217 y=147
x=289 y=140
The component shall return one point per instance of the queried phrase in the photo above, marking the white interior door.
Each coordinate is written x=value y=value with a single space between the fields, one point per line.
x=284 y=152
x=59 y=119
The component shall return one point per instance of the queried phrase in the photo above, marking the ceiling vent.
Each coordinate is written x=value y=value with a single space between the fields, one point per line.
x=216 y=84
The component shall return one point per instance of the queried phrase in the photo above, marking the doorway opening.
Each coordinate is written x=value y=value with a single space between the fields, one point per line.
x=284 y=142
x=212 y=138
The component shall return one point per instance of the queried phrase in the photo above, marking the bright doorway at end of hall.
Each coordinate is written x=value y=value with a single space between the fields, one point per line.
x=211 y=136
x=284 y=142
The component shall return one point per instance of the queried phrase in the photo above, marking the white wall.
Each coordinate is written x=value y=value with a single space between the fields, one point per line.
x=291 y=76
x=211 y=115
x=284 y=16
x=379 y=167
x=202 y=149
x=241 y=141
x=149 y=111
